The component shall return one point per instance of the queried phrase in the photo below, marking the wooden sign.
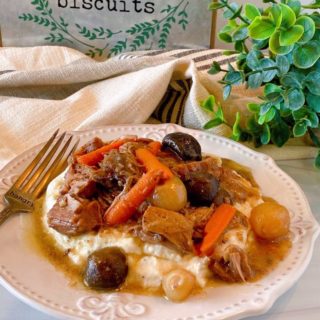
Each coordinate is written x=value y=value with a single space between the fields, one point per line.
x=107 y=27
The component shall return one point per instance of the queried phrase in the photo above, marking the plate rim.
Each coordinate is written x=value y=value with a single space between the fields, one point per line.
x=258 y=310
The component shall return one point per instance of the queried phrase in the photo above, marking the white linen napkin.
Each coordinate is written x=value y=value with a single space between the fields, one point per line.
x=45 y=88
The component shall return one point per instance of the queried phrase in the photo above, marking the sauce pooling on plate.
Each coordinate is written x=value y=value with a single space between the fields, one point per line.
x=139 y=215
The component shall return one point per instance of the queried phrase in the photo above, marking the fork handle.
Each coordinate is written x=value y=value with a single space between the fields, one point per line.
x=4 y=214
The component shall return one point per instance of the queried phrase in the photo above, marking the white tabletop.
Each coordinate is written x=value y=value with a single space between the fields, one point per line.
x=301 y=302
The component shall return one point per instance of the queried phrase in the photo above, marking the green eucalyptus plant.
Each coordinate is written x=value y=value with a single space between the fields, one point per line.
x=283 y=58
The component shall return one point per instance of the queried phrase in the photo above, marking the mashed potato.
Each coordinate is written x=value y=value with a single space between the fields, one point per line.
x=148 y=263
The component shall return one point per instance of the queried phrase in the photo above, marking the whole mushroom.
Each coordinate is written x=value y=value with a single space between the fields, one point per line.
x=106 y=268
x=185 y=146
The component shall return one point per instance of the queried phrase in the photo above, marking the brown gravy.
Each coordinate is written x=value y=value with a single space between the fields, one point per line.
x=263 y=256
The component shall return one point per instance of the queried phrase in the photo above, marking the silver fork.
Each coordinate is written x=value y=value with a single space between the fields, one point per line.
x=48 y=163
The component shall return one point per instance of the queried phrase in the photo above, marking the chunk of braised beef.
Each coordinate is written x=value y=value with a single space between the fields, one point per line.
x=79 y=181
x=198 y=215
x=106 y=198
x=237 y=269
x=74 y=216
x=210 y=165
x=172 y=225
x=121 y=166
x=238 y=188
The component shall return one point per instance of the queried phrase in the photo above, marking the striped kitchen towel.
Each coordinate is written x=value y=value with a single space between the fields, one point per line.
x=171 y=107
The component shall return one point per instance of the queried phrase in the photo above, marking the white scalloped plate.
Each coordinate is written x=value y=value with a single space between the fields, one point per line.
x=35 y=281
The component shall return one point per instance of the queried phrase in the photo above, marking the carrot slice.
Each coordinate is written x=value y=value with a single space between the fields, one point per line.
x=92 y=158
x=214 y=228
x=154 y=147
x=151 y=162
x=124 y=207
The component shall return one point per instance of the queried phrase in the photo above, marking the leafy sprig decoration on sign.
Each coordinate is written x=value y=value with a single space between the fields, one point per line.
x=60 y=29
x=97 y=33
x=143 y=31
x=119 y=47
x=283 y=59
x=170 y=19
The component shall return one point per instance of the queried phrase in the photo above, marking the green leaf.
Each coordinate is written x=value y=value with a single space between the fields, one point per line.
x=253 y=107
x=316 y=66
x=228 y=14
x=237 y=13
x=261 y=28
x=233 y=24
x=271 y=88
x=255 y=80
x=251 y=11
x=268 y=75
x=294 y=98
x=275 y=98
x=236 y=130
x=280 y=133
x=226 y=91
x=233 y=77
x=225 y=37
x=285 y=111
x=264 y=108
x=275 y=47
x=291 y=35
x=312 y=82
x=300 y=128
x=291 y=79
x=252 y=60
x=219 y=113
x=300 y=113
x=229 y=52
x=283 y=65
x=260 y=44
x=315 y=5
x=306 y=55
x=313 y=102
x=270 y=115
x=315 y=139
x=317 y=33
x=253 y=126
x=239 y=46
x=295 y=5
x=261 y=119
x=276 y=15
x=308 y=27
x=240 y=34
x=215 y=68
x=213 y=123
x=316 y=19
x=313 y=118
x=209 y=103
x=265 y=134
x=288 y=16
x=216 y=5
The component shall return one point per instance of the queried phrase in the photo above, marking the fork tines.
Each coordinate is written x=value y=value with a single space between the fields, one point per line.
x=50 y=160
